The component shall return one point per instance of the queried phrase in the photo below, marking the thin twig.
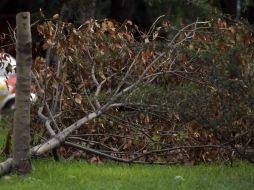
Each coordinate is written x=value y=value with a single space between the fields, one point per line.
x=97 y=152
x=98 y=90
x=180 y=147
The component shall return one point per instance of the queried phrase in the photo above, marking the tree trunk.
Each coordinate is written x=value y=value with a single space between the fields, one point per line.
x=122 y=10
x=78 y=11
x=21 y=143
x=229 y=7
x=249 y=13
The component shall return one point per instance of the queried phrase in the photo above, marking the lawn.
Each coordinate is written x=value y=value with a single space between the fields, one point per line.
x=68 y=175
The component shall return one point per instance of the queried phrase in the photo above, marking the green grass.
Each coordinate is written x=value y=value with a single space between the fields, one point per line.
x=50 y=175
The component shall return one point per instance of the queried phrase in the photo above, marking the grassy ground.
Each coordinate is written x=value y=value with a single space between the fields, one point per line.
x=76 y=175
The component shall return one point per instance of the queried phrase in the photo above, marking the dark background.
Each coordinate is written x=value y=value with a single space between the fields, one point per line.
x=142 y=12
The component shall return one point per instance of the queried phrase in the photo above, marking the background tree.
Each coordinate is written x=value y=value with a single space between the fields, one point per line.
x=77 y=11
x=122 y=10
x=229 y=7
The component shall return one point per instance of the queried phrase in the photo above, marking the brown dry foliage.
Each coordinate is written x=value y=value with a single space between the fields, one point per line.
x=144 y=129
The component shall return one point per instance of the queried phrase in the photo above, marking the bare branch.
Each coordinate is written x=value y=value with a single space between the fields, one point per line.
x=190 y=31
x=127 y=73
x=6 y=167
x=95 y=152
x=140 y=79
x=61 y=136
x=97 y=103
x=180 y=147
x=89 y=100
x=151 y=29
x=40 y=110
x=93 y=68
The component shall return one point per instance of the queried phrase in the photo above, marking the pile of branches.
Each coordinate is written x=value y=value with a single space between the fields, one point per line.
x=104 y=93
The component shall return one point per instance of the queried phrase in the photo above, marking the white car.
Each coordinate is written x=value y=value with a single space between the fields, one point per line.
x=8 y=83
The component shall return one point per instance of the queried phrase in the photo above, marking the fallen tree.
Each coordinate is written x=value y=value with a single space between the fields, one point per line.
x=96 y=77
x=130 y=76
x=106 y=74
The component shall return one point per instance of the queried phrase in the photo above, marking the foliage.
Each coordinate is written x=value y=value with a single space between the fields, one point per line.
x=218 y=96
x=193 y=104
x=226 y=65
x=190 y=114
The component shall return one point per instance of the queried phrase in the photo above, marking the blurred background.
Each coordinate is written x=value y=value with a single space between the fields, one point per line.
x=142 y=12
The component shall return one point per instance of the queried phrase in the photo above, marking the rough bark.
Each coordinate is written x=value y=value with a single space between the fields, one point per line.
x=21 y=143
